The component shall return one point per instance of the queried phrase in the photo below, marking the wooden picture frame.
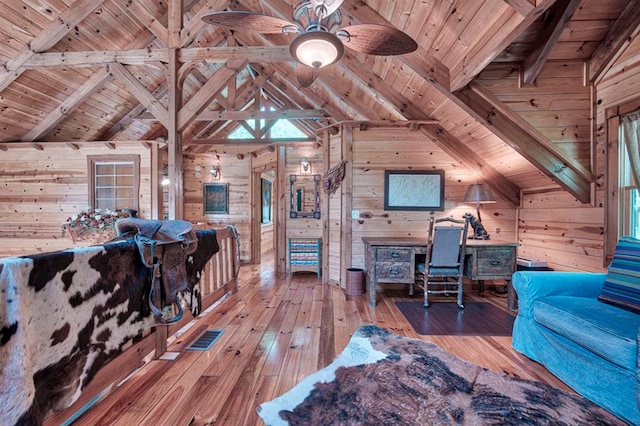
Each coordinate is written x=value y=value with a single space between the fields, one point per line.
x=266 y=201
x=414 y=190
x=216 y=198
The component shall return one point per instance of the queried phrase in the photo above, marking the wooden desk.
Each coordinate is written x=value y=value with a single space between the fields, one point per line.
x=392 y=260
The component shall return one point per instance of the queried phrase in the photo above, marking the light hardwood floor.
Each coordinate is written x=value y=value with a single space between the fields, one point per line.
x=276 y=331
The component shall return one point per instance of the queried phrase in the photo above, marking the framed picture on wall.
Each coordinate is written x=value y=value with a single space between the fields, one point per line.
x=216 y=198
x=414 y=190
x=266 y=201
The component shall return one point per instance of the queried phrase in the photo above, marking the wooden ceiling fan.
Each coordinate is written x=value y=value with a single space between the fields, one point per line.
x=319 y=41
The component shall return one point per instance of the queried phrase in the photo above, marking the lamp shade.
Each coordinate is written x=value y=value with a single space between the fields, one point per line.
x=316 y=49
x=478 y=193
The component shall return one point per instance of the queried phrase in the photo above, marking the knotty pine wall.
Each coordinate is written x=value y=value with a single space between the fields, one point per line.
x=554 y=226
x=40 y=189
x=237 y=173
x=302 y=227
x=376 y=150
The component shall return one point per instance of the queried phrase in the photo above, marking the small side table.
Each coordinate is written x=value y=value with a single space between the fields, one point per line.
x=304 y=255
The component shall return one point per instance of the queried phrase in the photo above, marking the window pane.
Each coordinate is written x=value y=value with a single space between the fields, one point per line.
x=105 y=193
x=114 y=185
x=105 y=169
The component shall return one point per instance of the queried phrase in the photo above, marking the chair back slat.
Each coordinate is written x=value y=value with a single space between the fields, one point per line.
x=446 y=246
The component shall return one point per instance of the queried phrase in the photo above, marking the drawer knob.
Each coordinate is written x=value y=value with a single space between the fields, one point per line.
x=394 y=271
x=496 y=262
x=395 y=254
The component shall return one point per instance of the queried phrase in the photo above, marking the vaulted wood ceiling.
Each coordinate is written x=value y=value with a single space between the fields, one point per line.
x=105 y=71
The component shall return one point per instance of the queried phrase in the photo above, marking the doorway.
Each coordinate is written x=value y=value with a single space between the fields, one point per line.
x=264 y=194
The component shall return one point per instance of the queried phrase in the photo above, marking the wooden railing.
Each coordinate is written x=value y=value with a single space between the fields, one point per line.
x=218 y=278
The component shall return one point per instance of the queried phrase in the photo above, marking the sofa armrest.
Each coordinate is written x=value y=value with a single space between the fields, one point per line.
x=532 y=285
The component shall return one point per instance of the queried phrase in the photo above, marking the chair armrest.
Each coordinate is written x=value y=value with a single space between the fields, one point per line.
x=532 y=285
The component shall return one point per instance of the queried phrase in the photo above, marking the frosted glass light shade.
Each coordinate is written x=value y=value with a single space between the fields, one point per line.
x=317 y=49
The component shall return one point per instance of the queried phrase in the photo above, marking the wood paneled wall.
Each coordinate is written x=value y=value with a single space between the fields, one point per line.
x=40 y=189
x=234 y=171
x=377 y=150
x=302 y=227
x=554 y=226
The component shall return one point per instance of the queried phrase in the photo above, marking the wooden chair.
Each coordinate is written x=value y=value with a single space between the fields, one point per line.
x=444 y=263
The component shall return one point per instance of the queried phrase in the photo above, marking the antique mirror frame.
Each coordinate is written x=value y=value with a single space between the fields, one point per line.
x=297 y=196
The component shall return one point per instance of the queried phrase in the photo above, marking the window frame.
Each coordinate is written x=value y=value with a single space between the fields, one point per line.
x=92 y=160
x=613 y=225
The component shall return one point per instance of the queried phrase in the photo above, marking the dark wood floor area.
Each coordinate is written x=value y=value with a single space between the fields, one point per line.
x=277 y=330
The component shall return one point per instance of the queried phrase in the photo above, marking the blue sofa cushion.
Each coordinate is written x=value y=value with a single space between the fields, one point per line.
x=603 y=329
x=622 y=284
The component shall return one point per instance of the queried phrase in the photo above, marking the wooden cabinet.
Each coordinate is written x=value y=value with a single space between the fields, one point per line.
x=392 y=260
x=305 y=255
x=389 y=260
x=490 y=260
x=393 y=264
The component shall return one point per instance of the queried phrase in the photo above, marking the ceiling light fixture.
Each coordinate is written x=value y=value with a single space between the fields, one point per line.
x=317 y=49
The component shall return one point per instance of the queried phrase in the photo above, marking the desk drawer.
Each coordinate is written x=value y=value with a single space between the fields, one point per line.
x=394 y=271
x=393 y=254
x=495 y=261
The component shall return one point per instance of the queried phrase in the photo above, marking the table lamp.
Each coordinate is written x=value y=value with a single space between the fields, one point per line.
x=478 y=193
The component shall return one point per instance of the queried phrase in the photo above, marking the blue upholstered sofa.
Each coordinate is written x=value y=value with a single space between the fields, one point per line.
x=565 y=324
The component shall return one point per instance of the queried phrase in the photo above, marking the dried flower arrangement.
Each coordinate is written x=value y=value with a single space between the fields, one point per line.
x=96 y=225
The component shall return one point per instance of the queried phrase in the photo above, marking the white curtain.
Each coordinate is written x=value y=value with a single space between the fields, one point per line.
x=631 y=135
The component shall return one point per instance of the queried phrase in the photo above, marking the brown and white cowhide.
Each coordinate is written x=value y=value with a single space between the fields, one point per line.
x=385 y=379
x=64 y=315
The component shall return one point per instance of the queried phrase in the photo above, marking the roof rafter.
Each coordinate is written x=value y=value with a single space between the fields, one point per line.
x=528 y=141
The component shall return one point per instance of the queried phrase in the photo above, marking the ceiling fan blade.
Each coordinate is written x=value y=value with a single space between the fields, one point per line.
x=247 y=21
x=330 y=5
x=377 y=39
x=305 y=74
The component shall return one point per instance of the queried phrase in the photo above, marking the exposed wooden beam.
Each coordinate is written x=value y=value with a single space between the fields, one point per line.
x=92 y=85
x=251 y=54
x=560 y=14
x=260 y=115
x=523 y=7
x=620 y=34
x=202 y=99
x=47 y=38
x=251 y=142
x=528 y=141
x=131 y=116
x=97 y=58
x=174 y=132
x=483 y=53
x=74 y=145
x=211 y=55
x=195 y=25
x=139 y=91
x=63 y=23
x=140 y=13
x=458 y=150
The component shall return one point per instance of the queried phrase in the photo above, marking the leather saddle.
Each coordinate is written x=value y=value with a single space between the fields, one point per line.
x=164 y=247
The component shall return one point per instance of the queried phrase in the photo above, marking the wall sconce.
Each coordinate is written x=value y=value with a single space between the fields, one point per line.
x=165 y=179
x=478 y=194
x=305 y=166
x=215 y=173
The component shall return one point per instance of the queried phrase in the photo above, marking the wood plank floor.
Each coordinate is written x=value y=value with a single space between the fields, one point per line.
x=277 y=330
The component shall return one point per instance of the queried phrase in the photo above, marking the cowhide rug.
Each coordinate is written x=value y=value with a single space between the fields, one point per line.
x=384 y=379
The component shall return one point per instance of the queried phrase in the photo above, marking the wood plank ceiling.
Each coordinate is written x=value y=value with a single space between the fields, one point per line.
x=99 y=70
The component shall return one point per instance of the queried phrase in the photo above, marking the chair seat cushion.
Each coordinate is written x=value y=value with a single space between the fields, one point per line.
x=444 y=271
x=598 y=327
